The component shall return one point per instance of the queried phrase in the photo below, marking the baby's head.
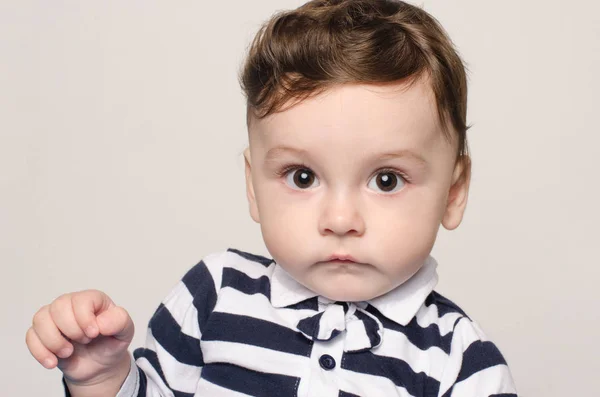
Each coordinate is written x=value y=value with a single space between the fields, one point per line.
x=357 y=130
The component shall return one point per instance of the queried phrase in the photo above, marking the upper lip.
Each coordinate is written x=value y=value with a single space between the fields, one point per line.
x=341 y=257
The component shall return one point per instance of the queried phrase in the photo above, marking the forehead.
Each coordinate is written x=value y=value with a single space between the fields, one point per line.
x=370 y=115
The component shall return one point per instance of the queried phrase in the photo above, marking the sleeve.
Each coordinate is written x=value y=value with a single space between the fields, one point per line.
x=475 y=367
x=171 y=361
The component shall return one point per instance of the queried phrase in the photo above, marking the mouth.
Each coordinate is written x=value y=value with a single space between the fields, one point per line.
x=341 y=258
x=343 y=264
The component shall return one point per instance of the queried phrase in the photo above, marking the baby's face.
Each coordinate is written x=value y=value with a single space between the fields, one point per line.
x=360 y=172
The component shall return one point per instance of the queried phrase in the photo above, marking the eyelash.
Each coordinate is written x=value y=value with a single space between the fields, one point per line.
x=293 y=167
x=393 y=171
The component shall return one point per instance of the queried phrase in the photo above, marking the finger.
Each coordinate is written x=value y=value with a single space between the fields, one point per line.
x=61 y=311
x=86 y=306
x=39 y=351
x=117 y=323
x=49 y=335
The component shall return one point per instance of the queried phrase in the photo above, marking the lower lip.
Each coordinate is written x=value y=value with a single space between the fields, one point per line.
x=341 y=262
x=344 y=267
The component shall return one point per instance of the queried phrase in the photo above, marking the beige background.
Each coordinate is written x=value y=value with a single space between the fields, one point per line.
x=121 y=129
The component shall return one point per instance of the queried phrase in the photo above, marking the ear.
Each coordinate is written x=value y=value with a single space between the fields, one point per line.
x=458 y=194
x=250 y=187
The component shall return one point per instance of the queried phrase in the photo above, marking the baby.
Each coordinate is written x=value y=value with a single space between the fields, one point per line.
x=356 y=120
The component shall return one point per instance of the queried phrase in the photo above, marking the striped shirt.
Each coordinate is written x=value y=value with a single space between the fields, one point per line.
x=238 y=325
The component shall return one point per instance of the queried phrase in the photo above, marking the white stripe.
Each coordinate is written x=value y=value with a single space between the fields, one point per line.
x=254 y=357
x=356 y=337
x=252 y=269
x=179 y=376
x=369 y=385
x=333 y=318
x=214 y=264
x=155 y=387
x=396 y=345
x=493 y=380
x=428 y=315
x=180 y=304
x=258 y=306
x=465 y=333
x=206 y=388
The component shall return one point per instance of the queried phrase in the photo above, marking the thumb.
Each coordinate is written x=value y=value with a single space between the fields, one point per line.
x=116 y=322
x=86 y=306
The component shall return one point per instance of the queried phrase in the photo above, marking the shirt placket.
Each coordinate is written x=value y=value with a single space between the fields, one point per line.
x=322 y=377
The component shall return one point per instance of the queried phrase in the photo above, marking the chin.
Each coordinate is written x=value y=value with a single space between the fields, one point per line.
x=348 y=294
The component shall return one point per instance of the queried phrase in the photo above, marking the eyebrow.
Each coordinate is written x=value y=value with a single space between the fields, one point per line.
x=407 y=154
x=278 y=151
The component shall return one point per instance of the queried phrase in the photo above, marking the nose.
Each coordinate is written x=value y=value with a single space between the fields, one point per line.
x=341 y=216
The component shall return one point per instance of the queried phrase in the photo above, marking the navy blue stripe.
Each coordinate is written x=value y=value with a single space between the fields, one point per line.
x=311 y=325
x=423 y=338
x=252 y=257
x=398 y=371
x=67 y=392
x=201 y=285
x=151 y=356
x=254 y=383
x=309 y=304
x=167 y=332
x=143 y=383
x=346 y=394
x=371 y=328
x=444 y=305
x=256 y=332
x=153 y=360
x=242 y=282
x=479 y=356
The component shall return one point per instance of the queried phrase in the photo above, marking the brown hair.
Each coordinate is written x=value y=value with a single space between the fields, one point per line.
x=302 y=52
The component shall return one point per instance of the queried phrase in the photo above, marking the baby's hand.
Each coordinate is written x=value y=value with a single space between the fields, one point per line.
x=84 y=334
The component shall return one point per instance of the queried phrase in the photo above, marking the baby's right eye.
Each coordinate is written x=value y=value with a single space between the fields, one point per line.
x=301 y=178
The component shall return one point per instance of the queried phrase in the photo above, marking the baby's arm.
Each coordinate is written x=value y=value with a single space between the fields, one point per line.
x=475 y=367
x=86 y=336
x=96 y=361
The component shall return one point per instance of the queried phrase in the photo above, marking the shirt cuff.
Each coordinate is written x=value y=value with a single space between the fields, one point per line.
x=130 y=387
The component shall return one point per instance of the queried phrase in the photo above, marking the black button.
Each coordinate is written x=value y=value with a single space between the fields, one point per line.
x=327 y=362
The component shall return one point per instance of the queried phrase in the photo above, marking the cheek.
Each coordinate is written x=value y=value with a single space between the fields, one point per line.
x=281 y=209
x=285 y=228
x=280 y=205
x=408 y=230
x=406 y=239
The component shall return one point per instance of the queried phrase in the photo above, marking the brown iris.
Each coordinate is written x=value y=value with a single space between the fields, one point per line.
x=387 y=181
x=304 y=178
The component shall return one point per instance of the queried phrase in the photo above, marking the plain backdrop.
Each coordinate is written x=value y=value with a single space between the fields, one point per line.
x=121 y=131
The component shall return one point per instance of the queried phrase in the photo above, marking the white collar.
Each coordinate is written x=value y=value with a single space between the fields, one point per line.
x=399 y=305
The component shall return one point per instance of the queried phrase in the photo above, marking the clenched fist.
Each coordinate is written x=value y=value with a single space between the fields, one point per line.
x=85 y=335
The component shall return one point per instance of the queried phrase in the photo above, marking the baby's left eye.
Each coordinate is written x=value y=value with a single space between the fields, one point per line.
x=387 y=182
